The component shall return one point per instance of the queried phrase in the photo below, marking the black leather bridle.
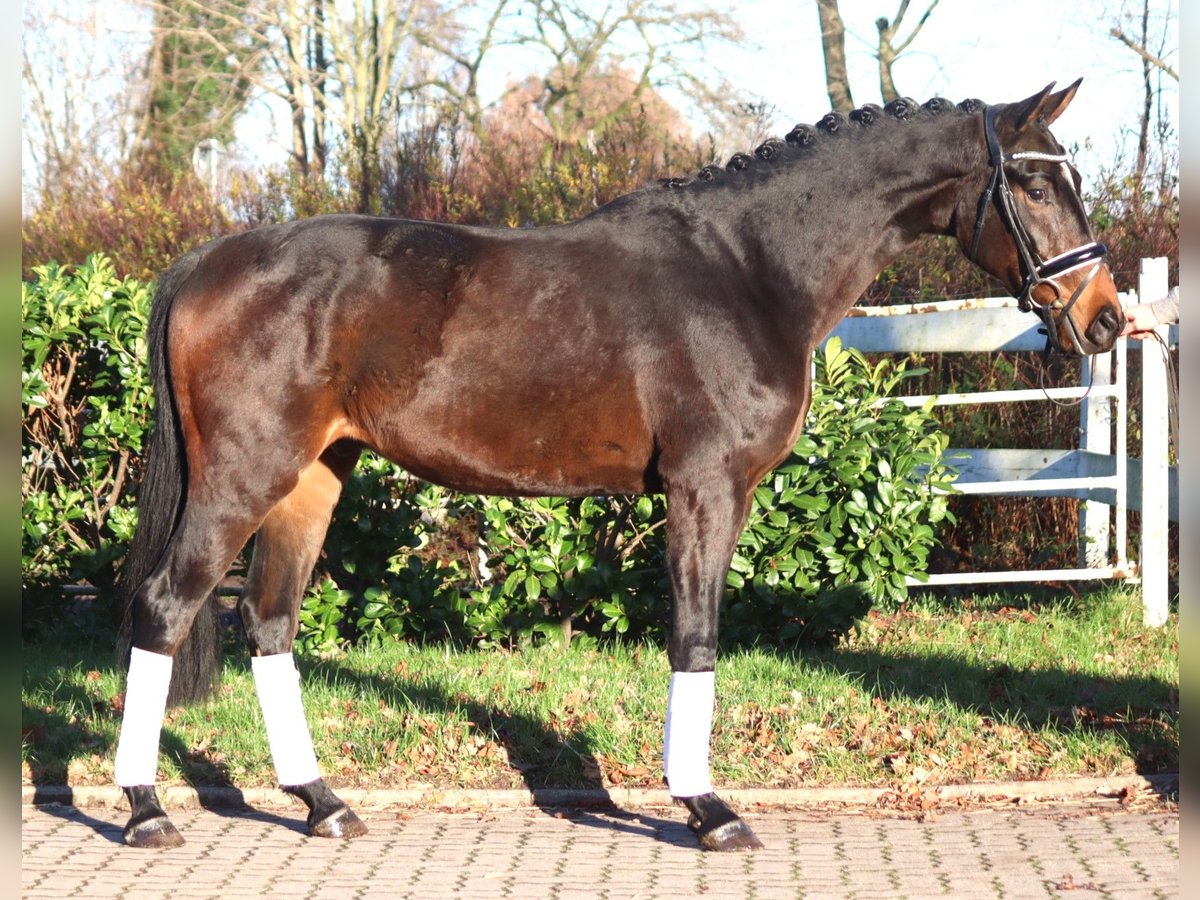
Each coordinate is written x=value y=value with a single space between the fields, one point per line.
x=1034 y=269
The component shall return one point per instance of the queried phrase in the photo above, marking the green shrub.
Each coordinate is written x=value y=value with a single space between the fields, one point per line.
x=849 y=515
x=85 y=403
x=422 y=562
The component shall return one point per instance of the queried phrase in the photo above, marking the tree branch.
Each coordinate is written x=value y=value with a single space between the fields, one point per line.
x=1145 y=54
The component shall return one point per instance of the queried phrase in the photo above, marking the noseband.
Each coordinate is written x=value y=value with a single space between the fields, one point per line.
x=1034 y=269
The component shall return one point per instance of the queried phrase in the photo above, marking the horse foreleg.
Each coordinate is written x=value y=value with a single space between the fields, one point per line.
x=285 y=551
x=702 y=528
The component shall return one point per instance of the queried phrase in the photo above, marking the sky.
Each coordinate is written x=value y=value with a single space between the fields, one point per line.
x=994 y=50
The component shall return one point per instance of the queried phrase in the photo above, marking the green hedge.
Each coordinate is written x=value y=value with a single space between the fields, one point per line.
x=834 y=529
x=85 y=404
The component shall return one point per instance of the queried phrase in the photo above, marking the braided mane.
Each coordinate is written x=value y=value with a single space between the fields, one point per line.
x=802 y=137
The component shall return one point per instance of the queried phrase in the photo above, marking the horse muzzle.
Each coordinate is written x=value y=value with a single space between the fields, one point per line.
x=1064 y=307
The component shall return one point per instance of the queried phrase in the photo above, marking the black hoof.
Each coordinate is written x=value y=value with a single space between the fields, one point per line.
x=729 y=838
x=154 y=834
x=717 y=826
x=148 y=826
x=328 y=816
x=342 y=824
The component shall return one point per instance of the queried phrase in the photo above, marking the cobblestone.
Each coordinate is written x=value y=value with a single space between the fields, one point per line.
x=1056 y=852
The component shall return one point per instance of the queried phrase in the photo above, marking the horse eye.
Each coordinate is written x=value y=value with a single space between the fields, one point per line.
x=1037 y=195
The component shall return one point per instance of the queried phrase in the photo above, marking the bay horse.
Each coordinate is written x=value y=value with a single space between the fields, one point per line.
x=662 y=343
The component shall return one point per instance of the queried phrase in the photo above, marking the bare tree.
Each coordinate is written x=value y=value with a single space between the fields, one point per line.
x=343 y=63
x=78 y=110
x=351 y=72
x=891 y=46
x=198 y=81
x=888 y=49
x=466 y=51
x=1151 y=43
x=1151 y=58
x=301 y=62
x=658 y=43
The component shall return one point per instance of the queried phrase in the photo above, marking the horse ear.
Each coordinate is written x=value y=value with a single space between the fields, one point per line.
x=1055 y=104
x=1042 y=107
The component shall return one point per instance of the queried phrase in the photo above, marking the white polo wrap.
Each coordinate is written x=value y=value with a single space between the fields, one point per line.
x=141 y=723
x=689 y=728
x=278 y=684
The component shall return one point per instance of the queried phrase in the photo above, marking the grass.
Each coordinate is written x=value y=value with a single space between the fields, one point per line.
x=998 y=687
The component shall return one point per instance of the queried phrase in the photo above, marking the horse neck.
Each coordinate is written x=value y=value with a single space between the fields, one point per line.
x=819 y=227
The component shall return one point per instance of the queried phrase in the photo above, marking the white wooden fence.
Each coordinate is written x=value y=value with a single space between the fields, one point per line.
x=1098 y=471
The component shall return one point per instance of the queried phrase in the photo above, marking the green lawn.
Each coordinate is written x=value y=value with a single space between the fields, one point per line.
x=1004 y=687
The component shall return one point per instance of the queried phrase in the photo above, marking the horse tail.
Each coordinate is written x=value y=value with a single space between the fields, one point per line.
x=161 y=496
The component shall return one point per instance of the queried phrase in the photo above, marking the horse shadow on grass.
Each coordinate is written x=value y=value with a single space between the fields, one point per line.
x=63 y=731
x=1142 y=709
x=53 y=794
x=514 y=731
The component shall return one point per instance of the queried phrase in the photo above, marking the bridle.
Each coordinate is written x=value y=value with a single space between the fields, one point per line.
x=1034 y=269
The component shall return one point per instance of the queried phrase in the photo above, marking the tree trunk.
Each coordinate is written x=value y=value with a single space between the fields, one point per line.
x=890 y=48
x=320 y=68
x=299 y=143
x=1143 y=150
x=887 y=56
x=833 y=44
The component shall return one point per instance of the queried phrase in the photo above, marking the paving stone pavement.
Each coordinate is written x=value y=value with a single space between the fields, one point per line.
x=1036 y=851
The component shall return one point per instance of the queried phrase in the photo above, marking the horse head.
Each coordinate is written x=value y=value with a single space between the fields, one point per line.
x=1024 y=223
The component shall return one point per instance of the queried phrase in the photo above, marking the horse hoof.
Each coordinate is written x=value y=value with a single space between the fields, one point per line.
x=153 y=834
x=728 y=838
x=341 y=824
x=717 y=826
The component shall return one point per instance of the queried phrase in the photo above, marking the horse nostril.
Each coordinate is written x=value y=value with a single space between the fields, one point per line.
x=1105 y=327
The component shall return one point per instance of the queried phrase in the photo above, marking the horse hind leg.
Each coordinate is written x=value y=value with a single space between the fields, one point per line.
x=285 y=551
x=206 y=541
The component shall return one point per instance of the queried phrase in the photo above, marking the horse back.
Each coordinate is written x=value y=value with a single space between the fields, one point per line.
x=540 y=361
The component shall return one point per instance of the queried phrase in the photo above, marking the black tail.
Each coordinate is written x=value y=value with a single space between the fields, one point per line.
x=197 y=667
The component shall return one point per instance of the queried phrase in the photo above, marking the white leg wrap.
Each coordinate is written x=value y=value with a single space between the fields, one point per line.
x=141 y=723
x=278 y=686
x=689 y=729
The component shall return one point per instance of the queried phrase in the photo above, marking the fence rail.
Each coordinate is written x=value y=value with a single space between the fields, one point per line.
x=1099 y=471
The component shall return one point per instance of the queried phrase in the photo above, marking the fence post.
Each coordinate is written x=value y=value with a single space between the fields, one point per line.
x=1152 y=284
x=1095 y=421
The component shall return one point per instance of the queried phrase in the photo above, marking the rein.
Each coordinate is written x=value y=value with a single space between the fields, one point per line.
x=1172 y=392
x=1035 y=270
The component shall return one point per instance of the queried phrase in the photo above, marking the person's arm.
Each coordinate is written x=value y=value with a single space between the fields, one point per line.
x=1166 y=309
x=1143 y=318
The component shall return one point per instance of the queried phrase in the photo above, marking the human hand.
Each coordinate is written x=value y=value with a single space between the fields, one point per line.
x=1140 y=321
